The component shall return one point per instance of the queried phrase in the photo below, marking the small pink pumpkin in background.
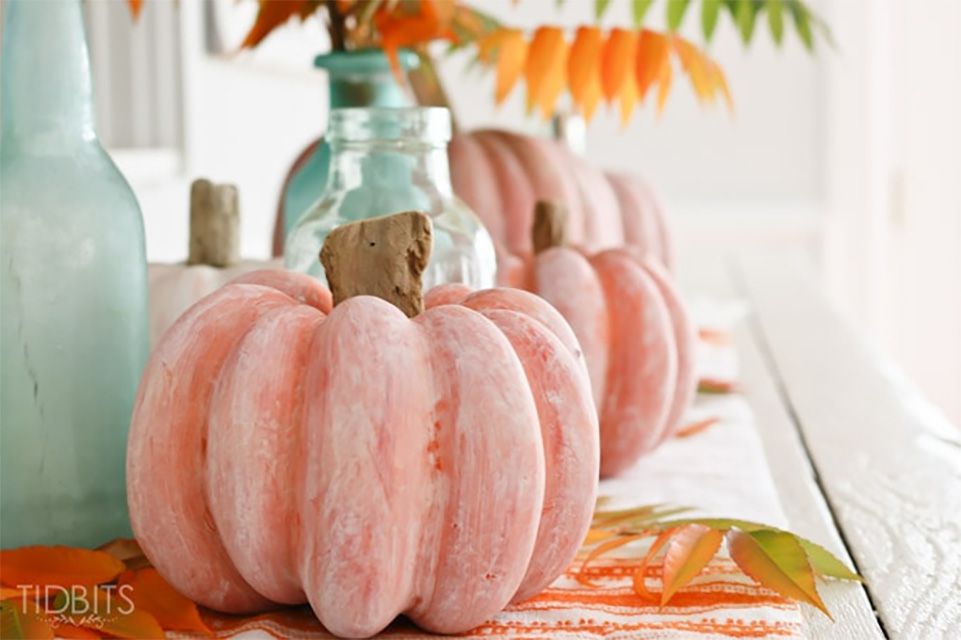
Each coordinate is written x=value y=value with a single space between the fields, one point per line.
x=372 y=459
x=501 y=175
x=634 y=328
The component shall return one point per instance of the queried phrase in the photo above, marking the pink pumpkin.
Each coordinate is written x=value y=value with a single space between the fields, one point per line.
x=501 y=175
x=635 y=332
x=371 y=464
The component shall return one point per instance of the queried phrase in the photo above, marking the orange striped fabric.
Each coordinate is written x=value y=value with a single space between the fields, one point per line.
x=720 y=603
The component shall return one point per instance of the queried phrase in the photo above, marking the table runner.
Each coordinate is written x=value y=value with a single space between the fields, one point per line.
x=721 y=471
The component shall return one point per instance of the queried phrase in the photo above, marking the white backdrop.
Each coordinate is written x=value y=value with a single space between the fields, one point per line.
x=852 y=157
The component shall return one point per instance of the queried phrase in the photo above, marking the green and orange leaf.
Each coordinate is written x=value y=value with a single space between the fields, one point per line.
x=30 y=623
x=776 y=560
x=689 y=551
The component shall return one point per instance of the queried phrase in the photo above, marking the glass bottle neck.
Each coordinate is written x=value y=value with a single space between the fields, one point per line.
x=389 y=165
x=378 y=89
x=45 y=86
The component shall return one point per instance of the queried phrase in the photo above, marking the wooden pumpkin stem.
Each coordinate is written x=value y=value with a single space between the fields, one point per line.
x=550 y=220
x=383 y=257
x=214 y=224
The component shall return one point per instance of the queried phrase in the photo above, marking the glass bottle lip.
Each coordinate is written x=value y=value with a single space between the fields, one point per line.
x=427 y=125
x=363 y=62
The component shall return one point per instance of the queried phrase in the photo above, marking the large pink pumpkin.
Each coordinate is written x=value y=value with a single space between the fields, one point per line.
x=368 y=463
x=501 y=175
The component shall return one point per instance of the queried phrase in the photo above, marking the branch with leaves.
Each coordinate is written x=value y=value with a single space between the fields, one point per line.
x=776 y=559
x=619 y=65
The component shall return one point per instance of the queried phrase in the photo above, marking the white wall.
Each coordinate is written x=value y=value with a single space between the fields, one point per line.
x=852 y=155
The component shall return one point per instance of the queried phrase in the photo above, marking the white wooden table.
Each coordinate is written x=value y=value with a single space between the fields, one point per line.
x=861 y=463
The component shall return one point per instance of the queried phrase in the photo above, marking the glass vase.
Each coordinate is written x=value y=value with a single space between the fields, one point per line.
x=73 y=292
x=360 y=78
x=387 y=161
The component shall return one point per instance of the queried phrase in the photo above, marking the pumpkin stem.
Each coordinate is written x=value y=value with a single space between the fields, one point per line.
x=214 y=224
x=383 y=257
x=550 y=219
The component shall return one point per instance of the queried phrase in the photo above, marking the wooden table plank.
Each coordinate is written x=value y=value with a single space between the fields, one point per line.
x=800 y=496
x=888 y=465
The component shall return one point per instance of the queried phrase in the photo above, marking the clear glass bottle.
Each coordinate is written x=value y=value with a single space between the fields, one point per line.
x=390 y=160
x=73 y=291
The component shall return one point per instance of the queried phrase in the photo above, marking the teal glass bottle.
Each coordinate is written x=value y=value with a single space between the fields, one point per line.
x=73 y=291
x=360 y=78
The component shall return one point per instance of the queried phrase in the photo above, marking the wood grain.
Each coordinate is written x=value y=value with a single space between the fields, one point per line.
x=794 y=478
x=889 y=465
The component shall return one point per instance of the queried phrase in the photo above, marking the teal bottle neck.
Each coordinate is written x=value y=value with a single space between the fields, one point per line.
x=363 y=78
x=46 y=97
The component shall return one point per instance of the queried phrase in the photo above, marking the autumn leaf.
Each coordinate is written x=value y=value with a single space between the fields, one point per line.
x=127 y=551
x=151 y=593
x=715 y=386
x=690 y=549
x=653 y=50
x=665 y=80
x=628 y=99
x=583 y=67
x=619 y=50
x=546 y=61
x=510 y=63
x=136 y=6
x=776 y=560
x=825 y=564
x=60 y=566
x=270 y=15
x=108 y=612
x=76 y=633
x=640 y=588
x=694 y=64
x=600 y=550
x=30 y=623
x=696 y=427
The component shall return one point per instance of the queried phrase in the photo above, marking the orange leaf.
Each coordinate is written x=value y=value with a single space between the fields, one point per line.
x=60 y=566
x=639 y=587
x=717 y=337
x=696 y=427
x=776 y=560
x=18 y=622
x=694 y=63
x=583 y=64
x=628 y=99
x=720 y=81
x=616 y=58
x=690 y=549
x=127 y=551
x=653 y=51
x=75 y=632
x=151 y=593
x=136 y=6
x=713 y=385
x=111 y=612
x=665 y=80
x=270 y=15
x=596 y=535
x=601 y=549
x=510 y=63
x=546 y=59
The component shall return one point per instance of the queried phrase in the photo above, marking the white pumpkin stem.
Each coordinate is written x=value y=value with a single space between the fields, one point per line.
x=549 y=230
x=383 y=257
x=214 y=224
